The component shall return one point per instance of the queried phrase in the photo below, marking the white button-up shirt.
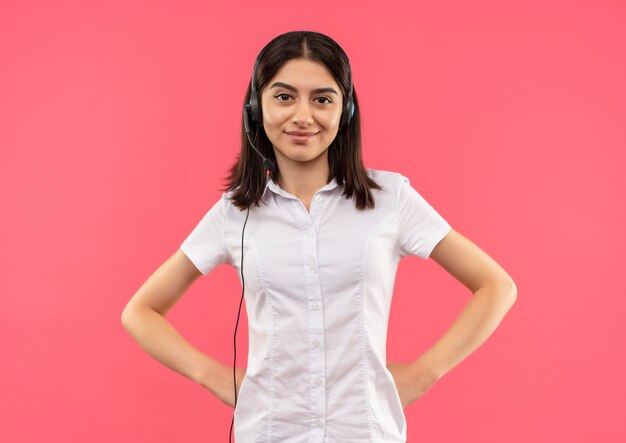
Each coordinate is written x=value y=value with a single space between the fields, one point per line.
x=318 y=289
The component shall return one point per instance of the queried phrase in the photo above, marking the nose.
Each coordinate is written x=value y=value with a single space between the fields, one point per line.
x=302 y=112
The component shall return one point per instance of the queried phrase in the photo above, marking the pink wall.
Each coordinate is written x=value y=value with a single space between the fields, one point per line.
x=118 y=121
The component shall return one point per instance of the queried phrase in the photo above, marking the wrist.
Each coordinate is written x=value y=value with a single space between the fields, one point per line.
x=424 y=365
x=213 y=376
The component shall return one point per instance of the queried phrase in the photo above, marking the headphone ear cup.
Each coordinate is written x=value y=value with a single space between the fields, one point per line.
x=348 y=112
x=255 y=109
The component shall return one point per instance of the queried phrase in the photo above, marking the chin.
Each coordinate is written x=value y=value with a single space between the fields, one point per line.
x=299 y=154
x=302 y=158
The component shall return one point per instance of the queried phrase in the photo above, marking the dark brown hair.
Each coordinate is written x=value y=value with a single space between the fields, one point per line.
x=247 y=175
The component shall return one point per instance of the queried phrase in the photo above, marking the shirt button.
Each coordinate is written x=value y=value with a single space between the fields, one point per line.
x=318 y=381
x=316 y=343
x=315 y=305
x=318 y=198
x=317 y=422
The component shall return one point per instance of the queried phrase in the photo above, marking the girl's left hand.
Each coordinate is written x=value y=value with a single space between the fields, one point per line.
x=412 y=380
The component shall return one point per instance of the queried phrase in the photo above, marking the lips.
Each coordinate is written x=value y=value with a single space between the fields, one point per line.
x=300 y=133
x=300 y=136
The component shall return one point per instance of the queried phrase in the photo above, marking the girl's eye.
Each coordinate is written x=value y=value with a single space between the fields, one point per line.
x=282 y=95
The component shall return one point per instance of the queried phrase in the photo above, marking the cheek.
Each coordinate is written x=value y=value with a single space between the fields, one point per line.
x=273 y=118
x=331 y=123
x=332 y=118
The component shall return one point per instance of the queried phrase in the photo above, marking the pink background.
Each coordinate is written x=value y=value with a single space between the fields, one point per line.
x=118 y=121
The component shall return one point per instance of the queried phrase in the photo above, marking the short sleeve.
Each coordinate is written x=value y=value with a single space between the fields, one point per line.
x=205 y=246
x=420 y=226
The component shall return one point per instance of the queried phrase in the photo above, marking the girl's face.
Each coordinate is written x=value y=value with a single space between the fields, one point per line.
x=302 y=98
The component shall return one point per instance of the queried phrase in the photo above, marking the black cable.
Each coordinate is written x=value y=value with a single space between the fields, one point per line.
x=268 y=166
x=236 y=325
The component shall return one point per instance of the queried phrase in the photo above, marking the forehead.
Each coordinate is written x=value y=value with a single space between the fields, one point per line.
x=304 y=74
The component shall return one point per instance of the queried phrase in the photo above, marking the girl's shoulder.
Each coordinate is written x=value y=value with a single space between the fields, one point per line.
x=390 y=179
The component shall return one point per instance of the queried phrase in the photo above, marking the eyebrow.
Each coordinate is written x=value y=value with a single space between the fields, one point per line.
x=291 y=88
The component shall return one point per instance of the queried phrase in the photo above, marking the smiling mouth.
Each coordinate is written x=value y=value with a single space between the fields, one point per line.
x=302 y=138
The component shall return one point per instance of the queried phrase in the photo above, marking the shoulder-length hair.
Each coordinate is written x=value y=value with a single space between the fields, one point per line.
x=247 y=177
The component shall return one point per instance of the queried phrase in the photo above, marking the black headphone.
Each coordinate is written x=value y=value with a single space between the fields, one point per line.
x=252 y=110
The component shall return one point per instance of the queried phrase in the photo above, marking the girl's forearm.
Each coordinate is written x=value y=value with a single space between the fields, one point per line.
x=163 y=342
x=476 y=322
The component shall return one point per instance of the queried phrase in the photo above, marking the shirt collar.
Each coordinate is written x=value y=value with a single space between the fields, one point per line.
x=275 y=188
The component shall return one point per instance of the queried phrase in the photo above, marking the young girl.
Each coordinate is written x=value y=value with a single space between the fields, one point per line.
x=316 y=239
